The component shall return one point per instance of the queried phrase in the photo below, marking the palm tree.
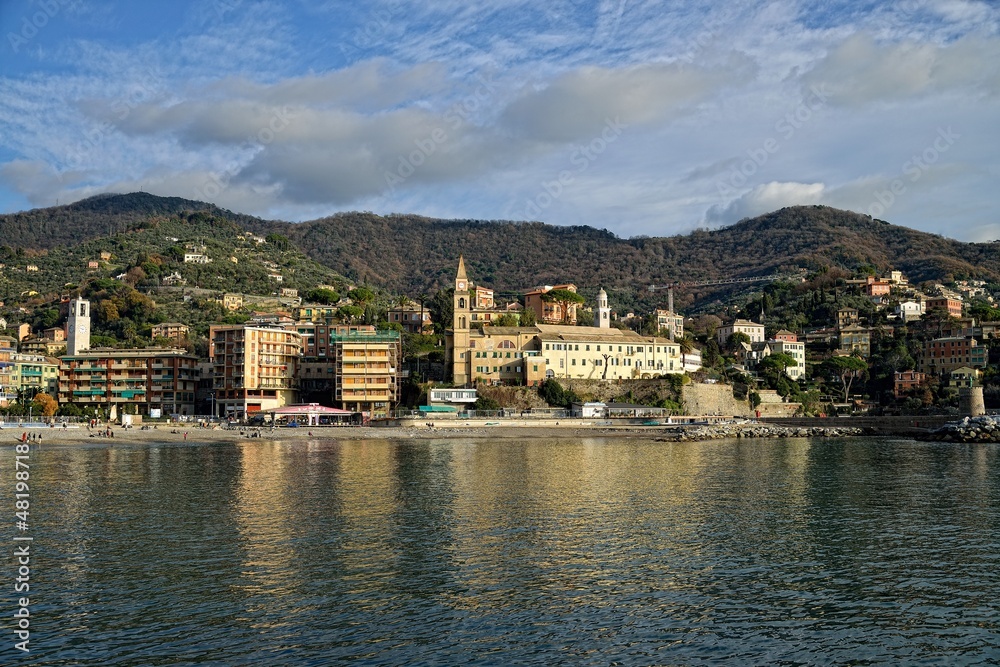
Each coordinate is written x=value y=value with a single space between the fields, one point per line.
x=686 y=344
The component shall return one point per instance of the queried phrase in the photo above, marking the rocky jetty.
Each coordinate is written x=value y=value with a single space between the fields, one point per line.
x=970 y=429
x=720 y=431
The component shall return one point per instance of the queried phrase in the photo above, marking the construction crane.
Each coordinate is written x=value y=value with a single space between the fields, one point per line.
x=709 y=283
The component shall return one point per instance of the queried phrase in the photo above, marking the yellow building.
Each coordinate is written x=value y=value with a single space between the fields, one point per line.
x=8 y=390
x=232 y=301
x=254 y=368
x=856 y=338
x=670 y=322
x=367 y=371
x=527 y=355
x=753 y=331
x=35 y=374
x=606 y=354
x=173 y=330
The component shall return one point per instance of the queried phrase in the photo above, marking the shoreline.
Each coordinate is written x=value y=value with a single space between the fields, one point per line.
x=166 y=434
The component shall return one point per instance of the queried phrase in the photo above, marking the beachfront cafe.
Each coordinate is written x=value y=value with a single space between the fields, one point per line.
x=311 y=414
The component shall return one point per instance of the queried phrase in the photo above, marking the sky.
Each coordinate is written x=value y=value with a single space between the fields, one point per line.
x=642 y=118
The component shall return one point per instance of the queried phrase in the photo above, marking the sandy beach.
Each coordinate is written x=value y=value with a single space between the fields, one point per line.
x=453 y=430
x=167 y=434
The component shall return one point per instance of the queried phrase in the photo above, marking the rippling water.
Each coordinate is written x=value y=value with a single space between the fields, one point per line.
x=586 y=552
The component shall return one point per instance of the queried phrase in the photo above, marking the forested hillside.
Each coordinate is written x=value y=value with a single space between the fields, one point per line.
x=415 y=255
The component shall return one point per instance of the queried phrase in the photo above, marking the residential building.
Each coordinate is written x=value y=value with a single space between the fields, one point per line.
x=8 y=389
x=35 y=374
x=786 y=335
x=856 y=338
x=315 y=313
x=847 y=317
x=753 y=330
x=43 y=346
x=174 y=278
x=877 y=287
x=367 y=371
x=945 y=305
x=670 y=322
x=964 y=376
x=93 y=264
x=550 y=312
x=139 y=381
x=196 y=258
x=172 y=330
x=105 y=256
x=414 y=318
x=907 y=381
x=796 y=351
x=57 y=334
x=910 y=310
x=231 y=301
x=943 y=355
x=255 y=368
x=896 y=278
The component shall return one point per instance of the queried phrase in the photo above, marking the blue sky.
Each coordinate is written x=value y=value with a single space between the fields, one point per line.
x=644 y=118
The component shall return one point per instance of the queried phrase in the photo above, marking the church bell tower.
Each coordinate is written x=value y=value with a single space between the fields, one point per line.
x=78 y=338
x=460 y=327
x=602 y=315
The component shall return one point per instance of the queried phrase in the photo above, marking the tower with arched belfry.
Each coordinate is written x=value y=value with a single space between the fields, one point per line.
x=602 y=315
x=460 y=327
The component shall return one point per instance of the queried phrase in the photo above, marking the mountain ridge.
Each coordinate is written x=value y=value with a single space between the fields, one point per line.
x=416 y=255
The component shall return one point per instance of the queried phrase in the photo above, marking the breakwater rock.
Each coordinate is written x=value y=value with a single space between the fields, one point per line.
x=720 y=431
x=970 y=429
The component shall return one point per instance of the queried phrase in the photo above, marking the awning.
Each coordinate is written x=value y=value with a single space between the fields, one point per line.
x=308 y=409
x=437 y=408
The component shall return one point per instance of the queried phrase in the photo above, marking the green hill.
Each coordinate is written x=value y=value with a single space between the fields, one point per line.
x=412 y=254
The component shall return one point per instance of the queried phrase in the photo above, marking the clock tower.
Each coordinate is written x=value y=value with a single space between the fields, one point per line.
x=460 y=327
x=78 y=338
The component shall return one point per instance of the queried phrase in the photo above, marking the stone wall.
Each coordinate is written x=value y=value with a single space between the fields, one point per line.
x=714 y=399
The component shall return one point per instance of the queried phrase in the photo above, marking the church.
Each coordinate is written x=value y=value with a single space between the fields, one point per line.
x=477 y=352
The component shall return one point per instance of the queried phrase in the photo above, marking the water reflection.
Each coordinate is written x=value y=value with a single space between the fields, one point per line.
x=577 y=552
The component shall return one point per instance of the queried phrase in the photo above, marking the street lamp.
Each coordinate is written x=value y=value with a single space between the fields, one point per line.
x=212 y=396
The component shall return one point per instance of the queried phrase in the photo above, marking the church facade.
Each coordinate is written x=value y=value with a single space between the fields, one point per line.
x=476 y=352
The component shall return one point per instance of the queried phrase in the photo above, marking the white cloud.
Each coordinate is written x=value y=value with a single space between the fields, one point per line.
x=861 y=71
x=765 y=198
x=579 y=103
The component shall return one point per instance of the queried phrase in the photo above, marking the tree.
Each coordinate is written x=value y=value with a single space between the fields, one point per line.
x=775 y=364
x=846 y=369
x=552 y=393
x=687 y=345
x=322 y=295
x=279 y=241
x=734 y=340
x=46 y=404
x=506 y=320
x=349 y=313
x=527 y=317
x=442 y=307
x=564 y=298
x=361 y=295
